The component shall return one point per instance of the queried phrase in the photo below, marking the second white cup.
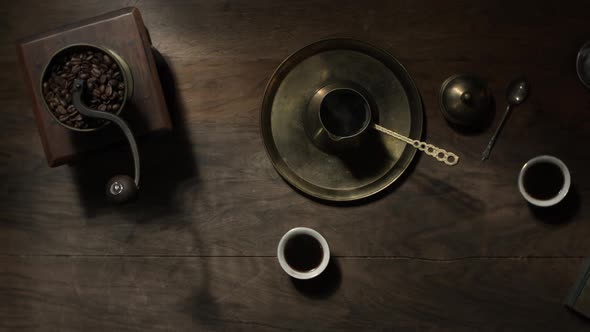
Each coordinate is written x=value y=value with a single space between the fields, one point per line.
x=303 y=253
x=544 y=181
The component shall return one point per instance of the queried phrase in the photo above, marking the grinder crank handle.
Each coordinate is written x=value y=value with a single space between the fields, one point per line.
x=120 y=188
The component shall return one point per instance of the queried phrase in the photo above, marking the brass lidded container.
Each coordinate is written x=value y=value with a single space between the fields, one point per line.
x=466 y=101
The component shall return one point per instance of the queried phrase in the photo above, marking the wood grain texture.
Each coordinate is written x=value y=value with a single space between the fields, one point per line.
x=239 y=294
x=211 y=194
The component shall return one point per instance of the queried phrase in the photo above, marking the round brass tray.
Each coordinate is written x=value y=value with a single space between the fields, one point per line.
x=353 y=175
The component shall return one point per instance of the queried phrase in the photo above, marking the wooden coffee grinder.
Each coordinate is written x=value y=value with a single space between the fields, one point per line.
x=123 y=37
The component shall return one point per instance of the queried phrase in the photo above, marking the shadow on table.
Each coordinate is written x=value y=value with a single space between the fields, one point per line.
x=167 y=161
x=201 y=305
x=322 y=286
x=363 y=163
x=203 y=308
x=560 y=214
x=579 y=317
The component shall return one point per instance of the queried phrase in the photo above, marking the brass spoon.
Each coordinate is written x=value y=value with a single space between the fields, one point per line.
x=516 y=93
x=448 y=158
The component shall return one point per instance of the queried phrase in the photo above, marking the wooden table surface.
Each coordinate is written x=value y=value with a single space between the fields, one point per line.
x=453 y=249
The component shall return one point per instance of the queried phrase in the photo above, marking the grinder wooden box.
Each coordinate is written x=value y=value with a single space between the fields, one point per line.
x=122 y=31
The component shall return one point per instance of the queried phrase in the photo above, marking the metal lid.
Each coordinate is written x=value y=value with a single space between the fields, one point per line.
x=465 y=100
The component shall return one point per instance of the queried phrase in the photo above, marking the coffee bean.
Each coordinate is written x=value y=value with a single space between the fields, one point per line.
x=116 y=107
x=72 y=109
x=121 y=86
x=95 y=72
x=61 y=110
x=96 y=92
x=90 y=85
x=102 y=107
x=113 y=82
x=106 y=59
x=83 y=76
x=103 y=79
x=76 y=69
x=117 y=74
x=102 y=88
x=59 y=80
x=109 y=90
x=109 y=108
x=63 y=102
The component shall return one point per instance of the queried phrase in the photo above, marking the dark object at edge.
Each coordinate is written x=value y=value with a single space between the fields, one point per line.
x=578 y=299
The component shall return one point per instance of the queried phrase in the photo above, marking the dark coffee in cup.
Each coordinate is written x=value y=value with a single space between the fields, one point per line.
x=303 y=252
x=338 y=117
x=344 y=113
x=543 y=180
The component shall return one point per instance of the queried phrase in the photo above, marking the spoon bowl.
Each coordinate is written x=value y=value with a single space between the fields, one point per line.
x=517 y=92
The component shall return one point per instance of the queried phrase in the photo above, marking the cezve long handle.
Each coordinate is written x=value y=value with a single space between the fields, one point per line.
x=448 y=158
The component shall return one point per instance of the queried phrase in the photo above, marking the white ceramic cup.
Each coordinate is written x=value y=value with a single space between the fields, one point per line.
x=298 y=274
x=562 y=192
